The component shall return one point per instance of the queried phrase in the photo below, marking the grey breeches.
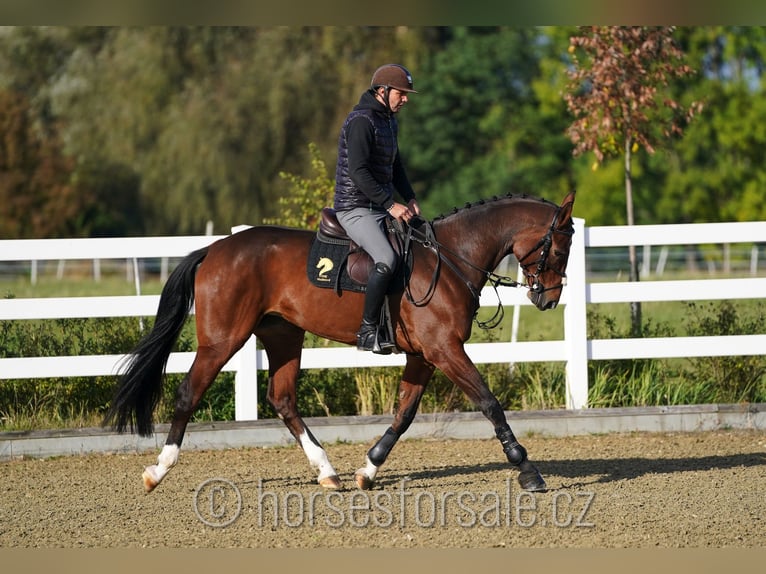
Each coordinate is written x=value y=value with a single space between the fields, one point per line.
x=367 y=228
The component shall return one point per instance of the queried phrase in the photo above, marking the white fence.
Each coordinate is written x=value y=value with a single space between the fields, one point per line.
x=575 y=349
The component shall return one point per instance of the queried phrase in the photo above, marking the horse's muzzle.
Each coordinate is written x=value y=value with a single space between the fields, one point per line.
x=541 y=302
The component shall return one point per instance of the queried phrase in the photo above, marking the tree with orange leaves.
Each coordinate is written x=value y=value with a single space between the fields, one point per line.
x=618 y=75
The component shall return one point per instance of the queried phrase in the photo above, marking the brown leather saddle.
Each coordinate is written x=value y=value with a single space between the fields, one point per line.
x=358 y=263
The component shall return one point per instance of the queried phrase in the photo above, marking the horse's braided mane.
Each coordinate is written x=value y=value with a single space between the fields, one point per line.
x=493 y=199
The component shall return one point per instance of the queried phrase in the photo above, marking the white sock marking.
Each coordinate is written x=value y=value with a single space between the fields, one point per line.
x=166 y=460
x=317 y=457
x=370 y=470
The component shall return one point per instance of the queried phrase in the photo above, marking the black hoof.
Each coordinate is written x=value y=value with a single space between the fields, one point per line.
x=532 y=481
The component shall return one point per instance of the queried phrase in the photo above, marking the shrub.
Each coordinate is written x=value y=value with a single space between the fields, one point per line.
x=731 y=379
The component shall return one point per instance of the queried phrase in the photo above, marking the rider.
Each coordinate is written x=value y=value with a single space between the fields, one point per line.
x=369 y=170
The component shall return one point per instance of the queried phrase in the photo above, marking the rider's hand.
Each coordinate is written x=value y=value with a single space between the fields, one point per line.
x=401 y=212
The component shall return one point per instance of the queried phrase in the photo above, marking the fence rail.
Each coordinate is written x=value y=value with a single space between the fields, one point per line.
x=575 y=349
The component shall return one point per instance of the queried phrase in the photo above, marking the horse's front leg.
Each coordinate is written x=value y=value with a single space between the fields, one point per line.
x=414 y=380
x=459 y=368
x=283 y=343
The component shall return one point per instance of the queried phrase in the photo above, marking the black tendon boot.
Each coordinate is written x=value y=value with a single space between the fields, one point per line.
x=371 y=337
x=529 y=477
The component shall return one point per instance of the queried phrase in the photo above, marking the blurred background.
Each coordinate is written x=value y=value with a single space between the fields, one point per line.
x=123 y=131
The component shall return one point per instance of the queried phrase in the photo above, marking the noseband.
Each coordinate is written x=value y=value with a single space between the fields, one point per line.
x=428 y=240
x=533 y=283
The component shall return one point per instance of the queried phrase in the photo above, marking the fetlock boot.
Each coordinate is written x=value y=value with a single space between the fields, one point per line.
x=371 y=337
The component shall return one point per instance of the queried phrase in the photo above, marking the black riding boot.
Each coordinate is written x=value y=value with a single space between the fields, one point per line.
x=371 y=337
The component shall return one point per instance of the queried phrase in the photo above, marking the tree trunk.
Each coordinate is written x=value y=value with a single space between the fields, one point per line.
x=635 y=307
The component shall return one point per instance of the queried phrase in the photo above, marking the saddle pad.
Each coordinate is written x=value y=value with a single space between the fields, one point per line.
x=326 y=267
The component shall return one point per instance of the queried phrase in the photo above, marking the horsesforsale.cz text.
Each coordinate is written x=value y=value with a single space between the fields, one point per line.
x=219 y=502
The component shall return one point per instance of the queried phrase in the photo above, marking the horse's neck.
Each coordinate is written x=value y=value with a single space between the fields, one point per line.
x=483 y=242
x=484 y=234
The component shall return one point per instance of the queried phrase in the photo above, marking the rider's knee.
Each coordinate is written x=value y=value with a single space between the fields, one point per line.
x=383 y=268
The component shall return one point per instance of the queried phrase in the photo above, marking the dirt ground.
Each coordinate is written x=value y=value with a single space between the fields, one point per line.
x=702 y=489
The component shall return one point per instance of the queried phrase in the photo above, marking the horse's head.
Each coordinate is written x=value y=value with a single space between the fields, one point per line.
x=543 y=252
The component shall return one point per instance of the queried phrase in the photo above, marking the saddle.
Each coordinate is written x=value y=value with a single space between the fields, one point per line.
x=336 y=262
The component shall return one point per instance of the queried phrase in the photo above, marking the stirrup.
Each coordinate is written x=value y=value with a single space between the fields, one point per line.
x=383 y=346
x=369 y=339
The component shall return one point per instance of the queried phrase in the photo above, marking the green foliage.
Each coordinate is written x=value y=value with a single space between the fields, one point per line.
x=330 y=392
x=719 y=175
x=697 y=380
x=158 y=130
x=731 y=379
x=483 y=123
x=305 y=197
x=78 y=401
x=59 y=399
x=377 y=390
x=624 y=382
x=205 y=117
x=528 y=386
x=650 y=383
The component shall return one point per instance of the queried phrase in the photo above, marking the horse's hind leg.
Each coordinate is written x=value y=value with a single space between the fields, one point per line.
x=416 y=375
x=207 y=364
x=283 y=343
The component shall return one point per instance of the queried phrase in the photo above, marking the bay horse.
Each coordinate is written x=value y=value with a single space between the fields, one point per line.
x=254 y=282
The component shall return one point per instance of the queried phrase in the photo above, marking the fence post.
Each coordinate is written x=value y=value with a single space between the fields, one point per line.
x=246 y=376
x=575 y=322
x=246 y=383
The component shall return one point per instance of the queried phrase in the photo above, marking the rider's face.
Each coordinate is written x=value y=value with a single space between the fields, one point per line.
x=396 y=98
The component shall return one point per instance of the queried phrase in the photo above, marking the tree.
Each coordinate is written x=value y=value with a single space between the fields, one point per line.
x=36 y=196
x=207 y=117
x=717 y=171
x=618 y=73
x=483 y=123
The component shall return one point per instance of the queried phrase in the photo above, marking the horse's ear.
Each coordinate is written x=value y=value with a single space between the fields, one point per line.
x=565 y=215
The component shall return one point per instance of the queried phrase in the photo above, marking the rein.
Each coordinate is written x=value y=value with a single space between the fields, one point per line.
x=428 y=240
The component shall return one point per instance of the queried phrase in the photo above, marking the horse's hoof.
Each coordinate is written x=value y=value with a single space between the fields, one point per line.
x=532 y=481
x=330 y=482
x=363 y=481
x=150 y=481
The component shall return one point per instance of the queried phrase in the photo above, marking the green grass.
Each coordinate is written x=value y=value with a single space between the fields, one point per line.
x=22 y=288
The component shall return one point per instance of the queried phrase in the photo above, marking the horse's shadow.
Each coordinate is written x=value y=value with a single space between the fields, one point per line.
x=584 y=471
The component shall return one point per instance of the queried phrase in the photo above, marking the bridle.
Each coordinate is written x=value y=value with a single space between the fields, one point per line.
x=533 y=284
x=428 y=240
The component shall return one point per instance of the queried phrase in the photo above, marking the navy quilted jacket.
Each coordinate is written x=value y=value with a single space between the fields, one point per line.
x=369 y=169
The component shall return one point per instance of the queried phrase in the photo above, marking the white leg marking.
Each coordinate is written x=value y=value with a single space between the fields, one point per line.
x=317 y=457
x=369 y=470
x=168 y=456
x=165 y=461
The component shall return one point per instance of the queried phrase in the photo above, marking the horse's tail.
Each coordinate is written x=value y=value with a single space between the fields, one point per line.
x=140 y=386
